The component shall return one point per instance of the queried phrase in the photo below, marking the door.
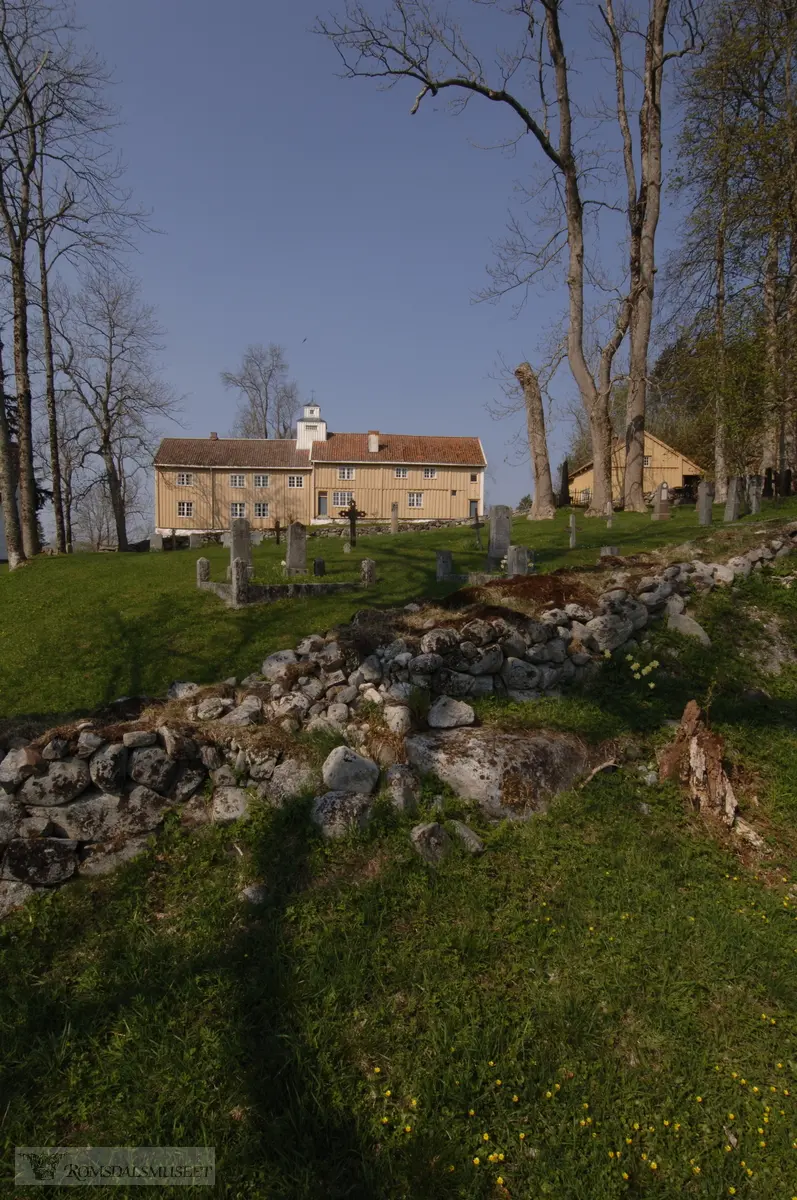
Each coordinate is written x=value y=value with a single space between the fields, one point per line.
x=474 y=509
x=322 y=504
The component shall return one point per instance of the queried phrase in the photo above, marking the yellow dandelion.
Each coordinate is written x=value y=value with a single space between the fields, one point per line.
x=491 y=1158
x=628 y=1141
x=384 y=1120
x=498 y=1083
x=727 y=1149
x=644 y=1158
x=485 y=1137
x=515 y=1099
x=676 y=1127
x=762 y=1145
x=779 y=1066
x=666 y=1122
x=731 y=1191
x=755 y=1089
x=500 y=1180
x=522 y=1137
x=491 y=1063
x=585 y=1106
x=625 y=1174
x=582 y=1122
x=500 y=1158
x=414 y=1103
x=548 y=1095
x=695 y=1170
x=408 y=1129
x=388 y=1092
x=654 y=1166
x=557 y=1087
x=699 y=1099
x=636 y=1124
x=476 y=1162
x=607 y=654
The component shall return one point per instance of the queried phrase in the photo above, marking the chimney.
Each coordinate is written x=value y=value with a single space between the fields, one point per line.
x=214 y=437
x=373 y=441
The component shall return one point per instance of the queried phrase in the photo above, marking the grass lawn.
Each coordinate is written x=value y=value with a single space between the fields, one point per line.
x=78 y=632
x=606 y=1001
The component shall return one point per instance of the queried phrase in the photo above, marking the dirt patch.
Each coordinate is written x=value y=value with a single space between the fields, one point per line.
x=774 y=649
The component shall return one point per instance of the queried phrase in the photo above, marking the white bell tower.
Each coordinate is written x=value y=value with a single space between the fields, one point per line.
x=310 y=428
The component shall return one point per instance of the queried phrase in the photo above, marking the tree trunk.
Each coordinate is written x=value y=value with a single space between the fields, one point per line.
x=8 y=483
x=720 y=432
x=601 y=435
x=27 y=480
x=771 y=455
x=544 y=506
x=116 y=497
x=49 y=380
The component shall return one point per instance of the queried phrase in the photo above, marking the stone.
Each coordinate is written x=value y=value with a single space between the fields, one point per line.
x=156 y=543
x=517 y=561
x=100 y=858
x=10 y=819
x=371 y=669
x=253 y=893
x=213 y=708
x=202 y=571
x=296 y=549
x=182 y=690
x=337 y=813
x=479 y=632
x=368 y=572
x=705 y=502
x=56 y=748
x=88 y=743
x=347 y=548
x=402 y=788
x=425 y=664
x=153 y=768
x=609 y=551
x=444 y=565
x=275 y=666
x=508 y=774
x=489 y=662
x=733 y=503
x=724 y=574
x=431 y=841
x=519 y=675
x=211 y=757
x=470 y=840
x=689 y=627
x=240 y=575
x=338 y=714
x=394 y=517
x=39 y=861
x=768 y=490
x=189 y=781
x=176 y=744
x=674 y=606
x=101 y=816
x=224 y=776
x=19 y=765
x=661 y=503
x=347 y=771
x=229 y=804
x=263 y=769
x=134 y=739
x=108 y=767
x=290 y=779
x=446 y=713
x=248 y=712
x=500 y=534
x=13 y=895
x=314 y=644
x=439 y=641
x=64 y=781
x=655 y=597
x=241 y=541
x=398 y=719
x=319 y=567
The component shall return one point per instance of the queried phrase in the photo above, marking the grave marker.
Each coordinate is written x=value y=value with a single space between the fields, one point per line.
x=240 y=544
x=572 y=531
x=755 y=487
x=768 y=490
x=445 y=564
x=296 y=552
x=733 y=504
x=517 y=561
x=319 y=566
x=661 y=503
x=368 y=572
x=394 y=517
x=156 y=542
x=500 y=534
x=202 y=570
x=705 y=501
x=195 y=541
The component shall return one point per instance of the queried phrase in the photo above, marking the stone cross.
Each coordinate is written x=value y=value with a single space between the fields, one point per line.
x=705 y=501
x=368 y=572
x=572 y=531
x=500 y=534
x=319 y=566
x=241 y=544
x=517 y=561
x=239 y=582
x=202 y=571
x=445 y=564
x=755 y=487
x=768 y=490
x=296 y=552
x=564 y=486
x=661 y=503
x=733 y=504
x=394 y=517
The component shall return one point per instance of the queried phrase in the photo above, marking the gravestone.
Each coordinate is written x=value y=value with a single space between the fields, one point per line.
x=705 y=501
x=517 y=561
x=394 y=517
x=661 y=503
x=477 y=529
x=226 y=539
x=195 y=541
x=296 y=551
x=368 y=572
x=156 y=542
x=346 y=548
x=564 y=486
x=319 y=566
x=256 y=536
x=733 y=504
x=203 y=570
x=445 y=564
x=610 y=552
x=755 y=487
x=609 y=513
x=572 y=531
x=241 y=544
x=500 y=534
x=768 y=490
x=239 y=582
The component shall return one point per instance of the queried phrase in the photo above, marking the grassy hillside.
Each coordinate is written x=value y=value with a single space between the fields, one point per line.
x=78 y=632
x=606 y=1001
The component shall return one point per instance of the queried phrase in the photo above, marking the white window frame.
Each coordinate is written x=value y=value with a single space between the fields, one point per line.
x=185 y=478
x=237 y=504
x=296 y=481
x=262 y=481
x=262 y=505
x=347 y=473
x=187 y=507
x=646 y=460
x=430 y=472
x=342 y=499
x=474 y=478
x=234 y=481
x=401 y=472
x=415 y=499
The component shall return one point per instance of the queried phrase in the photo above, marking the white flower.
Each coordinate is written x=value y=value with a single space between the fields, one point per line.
x=283 y=563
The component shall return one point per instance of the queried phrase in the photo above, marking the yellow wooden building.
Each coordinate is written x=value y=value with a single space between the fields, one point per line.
x=662 y=464
x=202 y=484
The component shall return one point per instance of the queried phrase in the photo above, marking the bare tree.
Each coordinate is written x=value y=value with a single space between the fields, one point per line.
x=544 y=505
x=269 y=400
x=107 y=342
x=416 y=42
x=8 y=479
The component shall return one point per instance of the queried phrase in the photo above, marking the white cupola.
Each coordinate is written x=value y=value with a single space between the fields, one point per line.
x=310 y=428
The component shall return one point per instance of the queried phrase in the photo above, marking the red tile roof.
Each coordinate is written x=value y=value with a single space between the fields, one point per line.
x=230 y=452
x=400 y=448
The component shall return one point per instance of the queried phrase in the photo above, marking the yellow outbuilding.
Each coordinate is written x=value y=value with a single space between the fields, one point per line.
x=662 y=464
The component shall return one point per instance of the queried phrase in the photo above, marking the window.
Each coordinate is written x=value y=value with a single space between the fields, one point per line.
x=261 y=509
x=237 y=510
x=261 y=481
x=237 y=481
x=401 y=472
x=346 y=473
x=474 y=478
x=453 y=493
x=646 y=460
x=342 y=499
x=584 y=495
x=296 y=481
x=185 y=479
x=311 y=428
x=415 y=499
x=185 y=508
x=430 y=473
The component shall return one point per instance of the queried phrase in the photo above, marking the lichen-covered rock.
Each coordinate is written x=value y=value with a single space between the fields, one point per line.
x=481 y=633
x=519 y=675
x=577 y=612
x=11 y=816
x=39 y=861
x=425 y=664
x=688 y=627
x=18 y=765
x=56 y=748
x=108 y=767
x=398 y=719
x=402 y=788
x=182 y=690
x=291 y=778
x=337 y=813
x=607 y=632
x=13 y=895
x=176 y=744
x=88 y=743
x=470 y=840
x=211 y=757
x=190 y=779
x=371 y=669
x=248 y=712
x=275 y=666
x=489 y=661
x=100 y=858
x=347 y=771
x=439 y=641
x=446 y=713
x=134 y=739
x=102 y=816
x=64 y=781
x=153 y=768
x=431 y=841
x=213 y=707
x=229 y=804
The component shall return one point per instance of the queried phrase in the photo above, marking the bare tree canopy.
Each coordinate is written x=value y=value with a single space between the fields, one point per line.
x=269 y=401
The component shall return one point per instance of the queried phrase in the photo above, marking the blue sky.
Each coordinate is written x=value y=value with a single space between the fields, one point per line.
x=294 y=204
